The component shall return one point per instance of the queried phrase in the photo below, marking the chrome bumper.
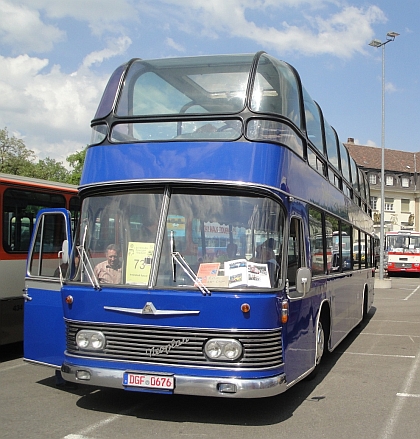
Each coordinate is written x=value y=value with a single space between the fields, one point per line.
x=184 y=385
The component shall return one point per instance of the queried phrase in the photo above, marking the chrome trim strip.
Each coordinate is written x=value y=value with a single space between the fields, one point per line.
x=41 y=363
x=185 y=385
x=150 y=309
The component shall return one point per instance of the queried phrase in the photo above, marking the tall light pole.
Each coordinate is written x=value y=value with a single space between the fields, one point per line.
x=390 y=36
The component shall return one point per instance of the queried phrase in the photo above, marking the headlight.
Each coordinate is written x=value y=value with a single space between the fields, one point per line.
x=223 y=349
x=93 y=340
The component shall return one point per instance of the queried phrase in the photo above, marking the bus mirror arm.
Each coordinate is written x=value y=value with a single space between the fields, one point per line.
x=305 y=283
x=63 y=254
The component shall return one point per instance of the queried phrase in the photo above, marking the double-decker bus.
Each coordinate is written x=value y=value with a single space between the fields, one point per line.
x=402 y=252
x=20 y=200
x=189 y=155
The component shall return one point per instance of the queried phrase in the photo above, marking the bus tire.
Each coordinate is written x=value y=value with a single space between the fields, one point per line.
x=365 y=305
x=321 y=341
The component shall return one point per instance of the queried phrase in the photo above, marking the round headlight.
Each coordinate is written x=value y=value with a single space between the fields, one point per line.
x=97 y=341
x=232 y=350
x=213 y=349
x=223 y=349
x=88 y=339
x=82 y=340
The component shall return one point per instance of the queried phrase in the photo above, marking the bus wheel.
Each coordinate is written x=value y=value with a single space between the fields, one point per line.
x=365 y=306
x=320 y=343
x=320 y=346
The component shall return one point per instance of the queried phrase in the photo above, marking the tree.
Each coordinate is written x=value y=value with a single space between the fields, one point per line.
x=15 y=157
x=76 y=161
x=50 y=169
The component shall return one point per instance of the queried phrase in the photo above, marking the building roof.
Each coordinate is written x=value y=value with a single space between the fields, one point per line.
x=371 y=157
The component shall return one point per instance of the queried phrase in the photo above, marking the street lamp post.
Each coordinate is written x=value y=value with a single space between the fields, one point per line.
x=390 y=36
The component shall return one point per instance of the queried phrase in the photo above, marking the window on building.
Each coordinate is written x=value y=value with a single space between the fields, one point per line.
x=389 y=180
x=389 y=204
x=405 y=205
x=373 y=202
x=372 y=179
x=405 y=182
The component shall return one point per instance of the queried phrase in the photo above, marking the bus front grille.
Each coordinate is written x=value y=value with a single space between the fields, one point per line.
x=402 y=265
x=262 y=349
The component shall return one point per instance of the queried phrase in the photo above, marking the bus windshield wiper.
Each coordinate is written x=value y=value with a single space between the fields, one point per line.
x=177 y=258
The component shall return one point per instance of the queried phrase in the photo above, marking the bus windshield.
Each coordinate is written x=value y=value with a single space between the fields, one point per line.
x=226 y=240
x=402 y=242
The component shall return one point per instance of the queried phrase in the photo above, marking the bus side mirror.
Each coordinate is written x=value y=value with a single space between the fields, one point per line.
x=64 y=253
x=303 y=280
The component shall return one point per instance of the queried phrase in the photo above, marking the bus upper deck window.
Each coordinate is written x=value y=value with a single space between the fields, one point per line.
x=275 y=89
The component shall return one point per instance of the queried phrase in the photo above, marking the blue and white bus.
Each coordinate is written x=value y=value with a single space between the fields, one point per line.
x=228 y=210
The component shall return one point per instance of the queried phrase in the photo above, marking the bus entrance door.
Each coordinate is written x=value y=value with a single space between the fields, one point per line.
x=44 y=331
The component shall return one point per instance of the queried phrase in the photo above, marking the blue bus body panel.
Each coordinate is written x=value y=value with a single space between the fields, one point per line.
x=237 y=162
x=218 y=311
x=44 y=329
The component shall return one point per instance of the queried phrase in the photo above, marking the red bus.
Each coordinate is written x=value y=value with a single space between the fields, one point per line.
x=402 y=252
x=20 y=200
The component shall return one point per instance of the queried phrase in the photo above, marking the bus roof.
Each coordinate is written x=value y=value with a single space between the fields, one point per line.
x=35 y=182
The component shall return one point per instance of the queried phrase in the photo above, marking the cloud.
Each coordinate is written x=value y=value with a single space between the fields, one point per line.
x=171 y=43
x=101 y=15
x=48 y=104
x=115 y=47
x=22 y=29
x=51 y=109
x=390 y=87
x=340 y=31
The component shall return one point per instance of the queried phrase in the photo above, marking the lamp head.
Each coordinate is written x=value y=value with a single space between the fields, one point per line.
x=375 y=43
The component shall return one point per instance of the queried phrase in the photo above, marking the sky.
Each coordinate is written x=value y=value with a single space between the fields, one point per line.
x=56 y=57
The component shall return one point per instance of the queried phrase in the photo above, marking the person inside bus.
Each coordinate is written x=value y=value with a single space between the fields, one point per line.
x=109 y=271
x=265 y=254
x=230 y=254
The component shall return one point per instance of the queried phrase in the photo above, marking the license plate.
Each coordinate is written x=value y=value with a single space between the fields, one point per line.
x=163 y=382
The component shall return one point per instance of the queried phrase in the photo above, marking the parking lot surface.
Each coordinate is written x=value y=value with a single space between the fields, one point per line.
x=368 y=388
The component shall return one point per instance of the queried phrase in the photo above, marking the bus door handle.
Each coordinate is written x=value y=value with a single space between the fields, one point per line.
x=26 y=296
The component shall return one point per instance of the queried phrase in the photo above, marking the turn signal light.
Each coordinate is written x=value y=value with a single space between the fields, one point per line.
x=284 y=311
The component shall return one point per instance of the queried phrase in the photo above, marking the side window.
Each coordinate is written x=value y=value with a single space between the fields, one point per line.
x=369 y=261
x=345 y=170
x=333 y=254
x=74 y=207
x=346 y=247
x=316 y=242
x=363 y=251
x=49 y=236
x=332 y=145
x=313 y=122
x=20 y=207
x=358 y=244
x=295 y=256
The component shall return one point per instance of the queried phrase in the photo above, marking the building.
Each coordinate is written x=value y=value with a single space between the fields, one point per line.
x=402 y=194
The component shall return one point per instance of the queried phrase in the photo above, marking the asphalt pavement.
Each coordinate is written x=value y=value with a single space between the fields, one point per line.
x=368 y=388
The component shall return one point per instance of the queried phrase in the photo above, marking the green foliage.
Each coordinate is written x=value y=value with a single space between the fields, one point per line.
x=17 y=159
x=76 y=161
x=50 y=169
